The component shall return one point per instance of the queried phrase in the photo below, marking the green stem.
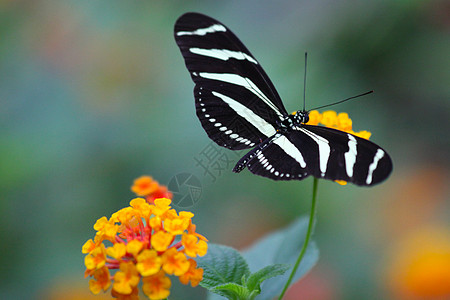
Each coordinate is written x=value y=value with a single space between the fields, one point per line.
x=307 y=238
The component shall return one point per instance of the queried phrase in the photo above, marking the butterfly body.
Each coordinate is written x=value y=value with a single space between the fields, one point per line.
x=239 y=108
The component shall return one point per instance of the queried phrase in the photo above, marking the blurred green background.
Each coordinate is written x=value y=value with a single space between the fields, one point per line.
x=95 y=93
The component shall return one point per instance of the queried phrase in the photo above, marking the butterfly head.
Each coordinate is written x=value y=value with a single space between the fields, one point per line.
x=301 y=117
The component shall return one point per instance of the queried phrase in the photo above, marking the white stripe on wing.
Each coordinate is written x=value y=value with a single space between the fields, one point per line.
x=203 y=31
x=324 y=149
x=259 y=123
x=223 y=54
x=373 y=166
x=290 y=149
x=350 y=155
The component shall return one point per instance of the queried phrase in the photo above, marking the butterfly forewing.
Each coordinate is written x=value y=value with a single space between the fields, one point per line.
x=235 y=100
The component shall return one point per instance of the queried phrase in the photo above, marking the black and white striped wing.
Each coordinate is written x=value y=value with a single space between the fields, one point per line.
x=323 y=153
x=235 y=100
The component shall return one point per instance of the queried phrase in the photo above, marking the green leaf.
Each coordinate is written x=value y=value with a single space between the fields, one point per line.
x=282 y=247
x=232 y=291
x=255 y=279
x=222 y=265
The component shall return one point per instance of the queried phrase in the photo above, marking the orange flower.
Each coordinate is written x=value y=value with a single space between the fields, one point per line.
x=178 y=225
x=101 y=280
x=341 y=182
x=117 y=251
x=149 y=262
x=339 y=121
x=344 y=123
x=157 y=286
x=363 y=134
x=175 y=262
x=88 y=246
x=96 y=259
x=126 y=279
x=134 y=295
x=134 y=247
x=419 y=266
x=141 y=206
x=329 y=118
x=314 y=117
x=191 y=230
x=193 y=275
x=105 y=229
x=143 y=247
x=193 y=246
x=161 y=240
x=146 y=187
x=161 y=206
x=161 y=192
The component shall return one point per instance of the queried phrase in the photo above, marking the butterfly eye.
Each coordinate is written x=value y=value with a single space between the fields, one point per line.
x=305 y=117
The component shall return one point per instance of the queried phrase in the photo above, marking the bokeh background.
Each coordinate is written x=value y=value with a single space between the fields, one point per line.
x=94 y=94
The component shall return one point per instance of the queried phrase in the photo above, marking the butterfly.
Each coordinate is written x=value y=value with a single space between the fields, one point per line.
x=239 y=108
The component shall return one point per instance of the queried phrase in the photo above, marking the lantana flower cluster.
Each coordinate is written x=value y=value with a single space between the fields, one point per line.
x=148 y=242
x=337 y=121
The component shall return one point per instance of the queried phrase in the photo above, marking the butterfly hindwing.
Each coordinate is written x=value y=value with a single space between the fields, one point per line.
x=270 y=160
x=352 y=158
x=323 y=153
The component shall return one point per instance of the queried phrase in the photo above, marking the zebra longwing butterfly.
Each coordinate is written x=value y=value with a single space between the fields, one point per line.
x=239 y=108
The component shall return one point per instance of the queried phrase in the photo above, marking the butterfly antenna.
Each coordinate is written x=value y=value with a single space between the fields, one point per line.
x=304 y=83
x=360 y=95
